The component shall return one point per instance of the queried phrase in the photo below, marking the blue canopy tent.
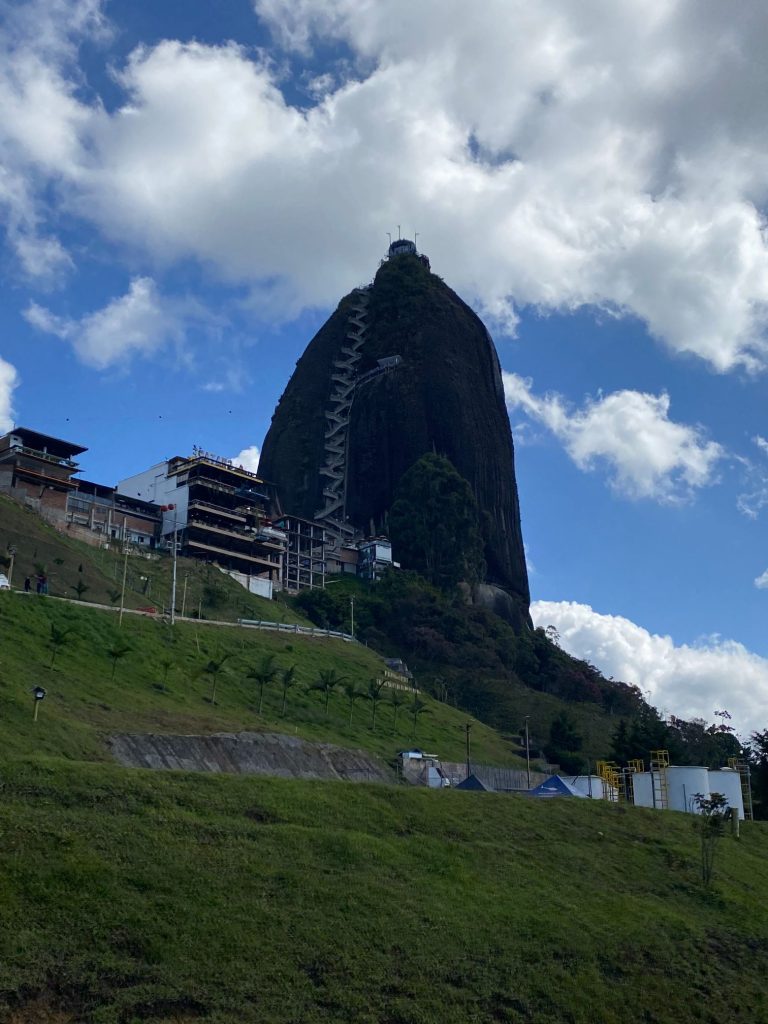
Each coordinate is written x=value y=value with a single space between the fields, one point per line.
x=555 y=786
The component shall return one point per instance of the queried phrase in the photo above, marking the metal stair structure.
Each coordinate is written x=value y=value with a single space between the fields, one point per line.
x=345 y=382
x=742 y=767
x=659 y=779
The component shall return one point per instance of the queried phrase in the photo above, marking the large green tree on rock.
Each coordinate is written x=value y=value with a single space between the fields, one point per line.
x=434 y=524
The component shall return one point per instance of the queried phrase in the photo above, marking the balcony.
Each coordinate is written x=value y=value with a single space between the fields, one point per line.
x=34 y=453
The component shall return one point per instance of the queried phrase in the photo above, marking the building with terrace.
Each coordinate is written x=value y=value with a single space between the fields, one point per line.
x=218 y=512
x=37 y=470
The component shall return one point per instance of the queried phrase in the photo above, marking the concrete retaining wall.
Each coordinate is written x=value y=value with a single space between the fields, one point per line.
x=249 y=753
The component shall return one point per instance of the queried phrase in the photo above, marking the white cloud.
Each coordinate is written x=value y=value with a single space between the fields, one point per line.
x=762 y=581
x=689 y=681
x=9 y=380
x=554 y=154
x=648 y=454
x=137 y=323
x=248 y=458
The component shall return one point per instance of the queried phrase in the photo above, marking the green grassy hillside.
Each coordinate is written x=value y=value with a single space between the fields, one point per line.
x=130 y=896
x=68 y=561
x=160 y=685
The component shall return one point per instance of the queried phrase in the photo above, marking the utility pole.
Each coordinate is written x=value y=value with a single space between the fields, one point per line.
x=184 y=595
x=172 y=508
x=12 y=553
x=527 y=753
x=468 y=727
x=122 y=589
x=352 y=614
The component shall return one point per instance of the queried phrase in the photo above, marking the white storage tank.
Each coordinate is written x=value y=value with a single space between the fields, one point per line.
x=591 y=785
x=728 y=782
x=683 y=782
x=642 y=786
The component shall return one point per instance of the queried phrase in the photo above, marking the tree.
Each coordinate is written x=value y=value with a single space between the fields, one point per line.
x=114 y=596
x=712 y=812
x=80 y=588
x=116 y=652
x=564 y=743
x=263 y=674
x=397 y=698
x=434 y=524
x=757 y=755
x=166 y=664
x=353 y=695
x=417 y=709
x=326 y=683
x=375 y=695
x=287 y=680
x=59 y=638
x=212 y=668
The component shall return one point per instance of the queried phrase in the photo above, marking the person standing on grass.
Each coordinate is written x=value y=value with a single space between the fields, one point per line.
x=27 y=584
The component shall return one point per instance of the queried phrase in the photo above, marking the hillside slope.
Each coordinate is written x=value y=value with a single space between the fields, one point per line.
x=202 y=589
x=141 y=897
x=160 y=685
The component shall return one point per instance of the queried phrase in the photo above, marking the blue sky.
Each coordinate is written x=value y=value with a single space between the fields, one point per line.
x=187 y=189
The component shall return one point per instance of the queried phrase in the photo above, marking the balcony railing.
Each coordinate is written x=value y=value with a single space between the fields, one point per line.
x=37 y=454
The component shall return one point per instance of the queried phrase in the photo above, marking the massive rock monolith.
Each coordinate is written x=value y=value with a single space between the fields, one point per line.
x=401 y=368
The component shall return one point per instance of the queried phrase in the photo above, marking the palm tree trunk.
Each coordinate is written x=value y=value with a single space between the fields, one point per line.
x=261 y=696
x=285 y=698
x=373 y=722
x=327 y=697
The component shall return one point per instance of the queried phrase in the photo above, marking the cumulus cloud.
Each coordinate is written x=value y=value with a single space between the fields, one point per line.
x=9 y=380
x=248 y=458
x=754 y=496
x=137 y=323
x=762 y=581
x=556 y=154
x=689 y=681
x=648 y=454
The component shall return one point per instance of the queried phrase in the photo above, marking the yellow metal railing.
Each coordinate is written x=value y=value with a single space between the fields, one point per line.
x=659 y=778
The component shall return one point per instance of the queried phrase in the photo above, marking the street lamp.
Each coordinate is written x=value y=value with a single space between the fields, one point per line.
x=39 y=694
x=527 y=753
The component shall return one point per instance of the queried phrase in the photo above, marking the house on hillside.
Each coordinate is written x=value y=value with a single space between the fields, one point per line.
x=37 y=470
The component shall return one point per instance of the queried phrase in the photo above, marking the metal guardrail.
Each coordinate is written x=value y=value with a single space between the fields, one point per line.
x=288 y=627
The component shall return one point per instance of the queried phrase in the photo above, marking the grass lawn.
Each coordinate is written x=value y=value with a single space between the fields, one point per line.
x=135 y=896
x=161 y=685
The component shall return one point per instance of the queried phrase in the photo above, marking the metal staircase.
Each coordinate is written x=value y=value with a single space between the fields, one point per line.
x=343 y=382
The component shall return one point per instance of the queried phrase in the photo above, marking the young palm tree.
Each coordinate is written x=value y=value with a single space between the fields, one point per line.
x=397 y=698
x=326 y=683
x=375 y=695
x=212 y=669
x=417 y=709
x=263 y=674
x=166 y=664
x=80 y=588
x=287 y=680
x=117 y=651
x=59 y=638
x=353 y=695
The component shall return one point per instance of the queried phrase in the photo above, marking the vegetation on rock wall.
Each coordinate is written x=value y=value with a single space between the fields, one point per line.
x=433 y=524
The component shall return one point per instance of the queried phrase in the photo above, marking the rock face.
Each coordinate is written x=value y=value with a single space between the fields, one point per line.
x=354 y=418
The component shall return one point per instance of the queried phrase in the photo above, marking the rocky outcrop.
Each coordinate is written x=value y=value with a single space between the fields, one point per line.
x=444 y=394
